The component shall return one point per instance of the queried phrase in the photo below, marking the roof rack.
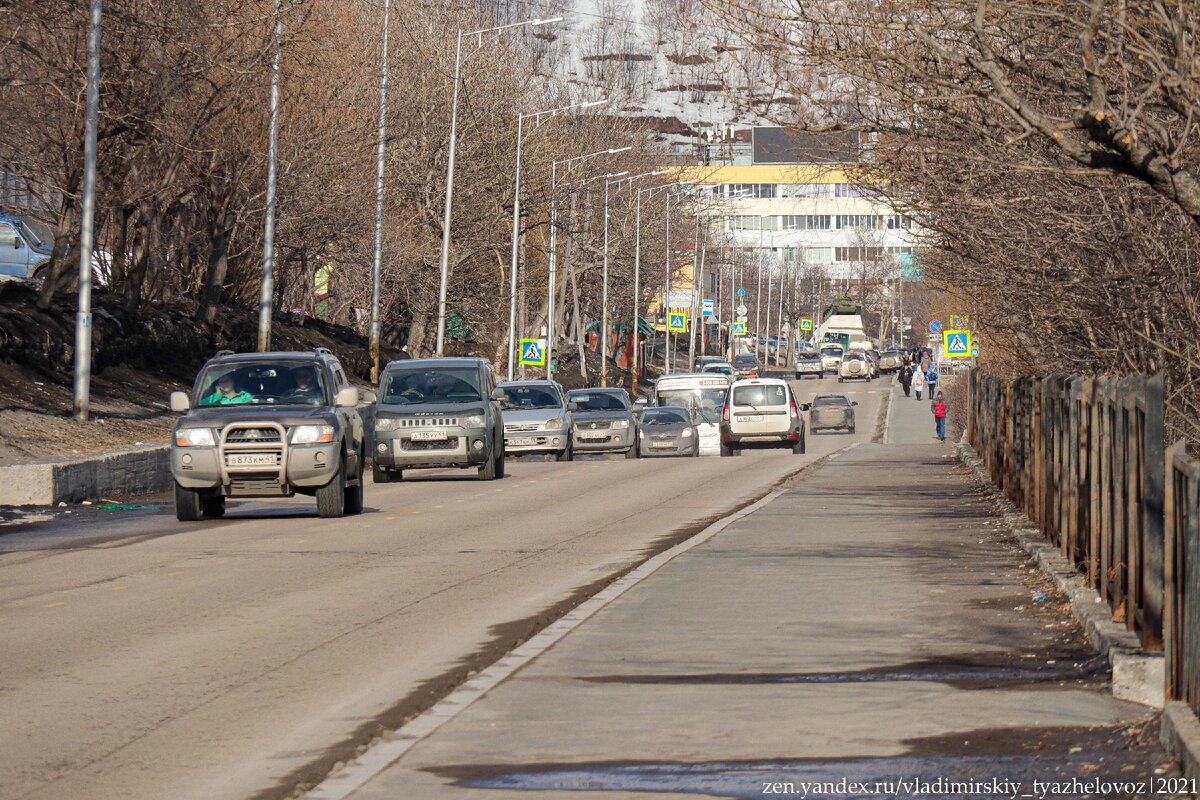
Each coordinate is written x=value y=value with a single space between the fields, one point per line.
x=224 y=353
x=322 y=351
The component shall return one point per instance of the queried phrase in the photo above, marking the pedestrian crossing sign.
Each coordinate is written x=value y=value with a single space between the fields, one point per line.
x=957 y=344
x=739 y=329
x=533 y=352
x=677 y=322
x=806 y=324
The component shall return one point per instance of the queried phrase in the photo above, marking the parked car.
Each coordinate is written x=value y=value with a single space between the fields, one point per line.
x=854 y=366
x=438 y=412
x=720 y=368
x=702 y=361
x=831 y=357
x=25 y=246
x=668 y=431
x=746 y=365
x=604 y=422
x=268 y=425
x=536 y=419
x=831 y=412
x=761 y=411
x=890 y=361
x=809 y=363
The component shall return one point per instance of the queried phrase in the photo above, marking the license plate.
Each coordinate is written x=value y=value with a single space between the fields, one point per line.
x=754 y=418
x=522 y=441
x=428 y=436
x=662 y=444
x=251 y=460
x=593 y=434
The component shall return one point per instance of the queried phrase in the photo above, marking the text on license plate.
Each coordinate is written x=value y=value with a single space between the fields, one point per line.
x=522 y=441
x=662 y=444
x=428 y=436
x=750 y=418
x=593 y=434
x=251 y=460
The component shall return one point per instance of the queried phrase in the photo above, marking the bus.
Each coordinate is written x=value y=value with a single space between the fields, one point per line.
x=705 y=394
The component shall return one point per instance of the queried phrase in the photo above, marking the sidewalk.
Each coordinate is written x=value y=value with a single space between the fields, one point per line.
x=869 y=624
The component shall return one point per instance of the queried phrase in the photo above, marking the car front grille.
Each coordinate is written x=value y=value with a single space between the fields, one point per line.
x=449 y=443
x=599 y=425
x=255 y=486
x=521 y=427
x=252 y=436
x=427 y=422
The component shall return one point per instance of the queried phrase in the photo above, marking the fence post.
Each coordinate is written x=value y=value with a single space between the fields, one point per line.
x=1153 y=502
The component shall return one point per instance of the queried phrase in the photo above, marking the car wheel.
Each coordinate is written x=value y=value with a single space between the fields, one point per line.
x=851 y=429
x=189 y=504
x=488 y=471
x=214 y=507
x=565 y=455
x=632 y=452
x=841 y=379
x=383 y=475
x=798 y=447
x=500 y=462
x=331 y=498
x=354 y=494
x=820 y=376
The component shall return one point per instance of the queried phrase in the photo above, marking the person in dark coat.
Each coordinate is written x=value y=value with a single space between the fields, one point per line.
x=906 y=374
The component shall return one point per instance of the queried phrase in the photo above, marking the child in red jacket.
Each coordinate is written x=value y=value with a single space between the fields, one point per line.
x=939 y=416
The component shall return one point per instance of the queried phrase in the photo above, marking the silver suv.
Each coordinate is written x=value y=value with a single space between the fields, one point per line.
x=604 y=422
x=268 y=425
x=438 y=412
x=536 y=419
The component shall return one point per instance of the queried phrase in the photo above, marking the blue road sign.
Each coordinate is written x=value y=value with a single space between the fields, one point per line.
x=741 y=292
x=935 y=327
x=532 y=353
x=709 y=307
x=677 y=322
x=957 y=344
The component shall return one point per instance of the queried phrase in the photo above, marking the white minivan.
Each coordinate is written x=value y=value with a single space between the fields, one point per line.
x=761 y=412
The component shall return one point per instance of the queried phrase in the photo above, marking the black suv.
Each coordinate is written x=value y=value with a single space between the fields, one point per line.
x=268 y=425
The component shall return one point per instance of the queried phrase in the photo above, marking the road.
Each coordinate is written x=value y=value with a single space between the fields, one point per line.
x=144 y=658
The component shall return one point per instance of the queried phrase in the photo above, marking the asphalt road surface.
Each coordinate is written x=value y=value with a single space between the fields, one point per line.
x=145 y=658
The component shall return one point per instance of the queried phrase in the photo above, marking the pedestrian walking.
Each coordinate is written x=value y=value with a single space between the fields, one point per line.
x=906 y=377
x=918 y=382
x=939 y=416
x=931 y=380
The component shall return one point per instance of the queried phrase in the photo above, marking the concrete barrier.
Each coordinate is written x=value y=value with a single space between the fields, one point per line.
x=146 y=470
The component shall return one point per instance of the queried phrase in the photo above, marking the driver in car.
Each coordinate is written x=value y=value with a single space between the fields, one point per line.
x=226 y=394
x=306 y=389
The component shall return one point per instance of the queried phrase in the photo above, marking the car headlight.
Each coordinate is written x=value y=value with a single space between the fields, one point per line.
x=473 y=421
x=194 y=437
x=555 y=424
x=641 y=434
x=386 y=424
x=687 y=433
x=621 y=423
x=312 y=434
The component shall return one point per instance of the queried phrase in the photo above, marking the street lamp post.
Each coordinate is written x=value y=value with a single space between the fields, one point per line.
x=453 y=146
x=552 y=280
x=377 y=264
x=83 y=315
x=267 y=290
x=516 y=223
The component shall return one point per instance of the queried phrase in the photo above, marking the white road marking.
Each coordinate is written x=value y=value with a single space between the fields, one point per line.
x=395 y=744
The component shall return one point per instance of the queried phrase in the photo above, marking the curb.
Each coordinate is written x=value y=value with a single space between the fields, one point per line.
x=1136 y=675
x=133 y=472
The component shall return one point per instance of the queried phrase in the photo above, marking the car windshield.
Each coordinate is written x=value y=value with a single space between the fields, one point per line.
x=706 y=403
x=665 y=416
x=444 y=385
x=807 y=356
x=773 y=394
x=744 y=361
x=724 y=369
x=598 y=401
x=262 y=383
x=532 y=397
x=826 y=401
x=40 y=233
x=836 y=352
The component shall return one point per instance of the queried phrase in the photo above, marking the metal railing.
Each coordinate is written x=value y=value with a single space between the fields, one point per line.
x=1084 y=457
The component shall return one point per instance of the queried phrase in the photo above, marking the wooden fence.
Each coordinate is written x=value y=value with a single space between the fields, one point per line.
x=1084 y=457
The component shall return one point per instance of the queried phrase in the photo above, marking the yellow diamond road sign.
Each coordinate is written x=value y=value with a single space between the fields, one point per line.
x=957 y=344
x=533 y=352
x=739 y=329
x=677 y=322
x=806 y=324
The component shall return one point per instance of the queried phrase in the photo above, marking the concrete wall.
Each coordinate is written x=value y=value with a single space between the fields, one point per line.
x=142 y=471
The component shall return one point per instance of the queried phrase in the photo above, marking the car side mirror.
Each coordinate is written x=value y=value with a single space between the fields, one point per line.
x=853 y=402
x=180 y=402
x=805 y=406
x=17 y=243
x=370 y=397
x=499 y=394
x=572 y=406
x=346 y=398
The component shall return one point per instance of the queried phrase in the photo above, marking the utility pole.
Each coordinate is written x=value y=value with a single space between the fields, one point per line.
x=377 y=264
x=83 y=316
x=266 y=295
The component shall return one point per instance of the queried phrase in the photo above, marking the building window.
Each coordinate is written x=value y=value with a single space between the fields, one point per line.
x=806 y=190
x=758 y=191
x=818 y=255
x=806 y=222
x=850 y=190
x=858 y=253
x=748 y=222
x=899 y=222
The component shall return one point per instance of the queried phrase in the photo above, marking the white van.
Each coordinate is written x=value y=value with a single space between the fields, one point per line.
x=705 y=394
x=761 y=411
